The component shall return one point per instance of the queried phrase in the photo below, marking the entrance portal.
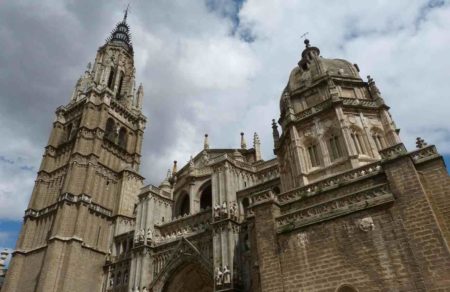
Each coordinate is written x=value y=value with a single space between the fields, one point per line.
x=191 y=277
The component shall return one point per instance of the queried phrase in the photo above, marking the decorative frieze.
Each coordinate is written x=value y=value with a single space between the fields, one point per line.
x=334 y=208
x=70 y=198
x=331 y=182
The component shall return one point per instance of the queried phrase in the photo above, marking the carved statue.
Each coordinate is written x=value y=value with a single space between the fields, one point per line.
x=226 y=275
x=111 y=282
x=217 y=211
x=219 y=276
x=149 y=235
x=141 y=235
x=144 y=289
x=233 y=209
x=224 y=208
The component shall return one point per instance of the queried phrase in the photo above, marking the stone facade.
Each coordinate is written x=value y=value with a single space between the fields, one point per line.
x=343 y=206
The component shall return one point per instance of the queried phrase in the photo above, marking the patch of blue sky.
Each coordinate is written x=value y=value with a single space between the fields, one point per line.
x=230 y=9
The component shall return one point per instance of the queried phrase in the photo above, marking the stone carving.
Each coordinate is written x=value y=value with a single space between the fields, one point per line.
x=149 y=235
x=219 y=276
x=302 y=239
x=366 y=224
x=141 y=236
x=224 y=209
x=226 y=275
x=144 y=289
x=217 y=211
x=233 y=209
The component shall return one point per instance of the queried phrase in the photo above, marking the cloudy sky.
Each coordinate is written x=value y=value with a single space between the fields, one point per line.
x=213 y=66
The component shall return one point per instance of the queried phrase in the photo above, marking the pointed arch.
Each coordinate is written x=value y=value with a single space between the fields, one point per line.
x=334 y=142
x=183 y=205
x=314 y=152
x=206 y=196
x=378 y=138
x=358 y=140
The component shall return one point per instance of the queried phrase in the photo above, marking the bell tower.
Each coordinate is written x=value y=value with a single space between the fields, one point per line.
x=88 y=180
x=331 y=120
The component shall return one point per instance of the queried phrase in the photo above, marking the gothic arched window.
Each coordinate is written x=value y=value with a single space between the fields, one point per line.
x=122 y=138
x=314 y=154
x=183 y=205
x=334 y=147
x=206 y=197
x=358 y=141
x=111 y=78
x=110 y=129
x=377 y=136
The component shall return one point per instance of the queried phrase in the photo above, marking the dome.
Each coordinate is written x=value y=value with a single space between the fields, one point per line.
x=312 y=67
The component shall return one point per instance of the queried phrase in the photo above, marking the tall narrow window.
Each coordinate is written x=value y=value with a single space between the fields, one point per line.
x=119 y=90
x=358 y=142
x=122 y=138
x=110 y=129
x=314 y=157
x=378 y=139
x=334 y=147
x=111 y=78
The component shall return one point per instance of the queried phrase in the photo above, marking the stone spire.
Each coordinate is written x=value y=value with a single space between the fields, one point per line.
x=121 y=35
x=257 y=147
x=243 y=143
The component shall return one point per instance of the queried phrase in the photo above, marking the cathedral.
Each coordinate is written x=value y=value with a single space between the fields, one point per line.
x=343 y=206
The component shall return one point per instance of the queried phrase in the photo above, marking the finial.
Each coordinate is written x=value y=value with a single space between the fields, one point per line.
x=369 y=79
x=307 y=45
x=243 y=144
x=191 y=162
x=88 y=67
x=126 y=12
x=169 y=173
x=255 y=139
x=420 y=143
x=275 y=133
x=205 y=142
x=174 y=170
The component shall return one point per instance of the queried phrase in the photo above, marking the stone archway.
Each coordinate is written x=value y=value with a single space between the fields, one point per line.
x=190 y=277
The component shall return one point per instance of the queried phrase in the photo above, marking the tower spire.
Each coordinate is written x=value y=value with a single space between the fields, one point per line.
x=126 y=12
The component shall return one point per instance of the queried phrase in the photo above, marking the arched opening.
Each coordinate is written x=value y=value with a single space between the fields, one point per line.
x=191 y=277
x=109 y=130
x=346 y=288
x=122 y=138
x=111 y=78
x=183 y=205
x=378 y=138
x=206 y=198
x=334 y=146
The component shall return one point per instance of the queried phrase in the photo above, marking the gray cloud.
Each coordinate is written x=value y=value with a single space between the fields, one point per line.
x=214 y=66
